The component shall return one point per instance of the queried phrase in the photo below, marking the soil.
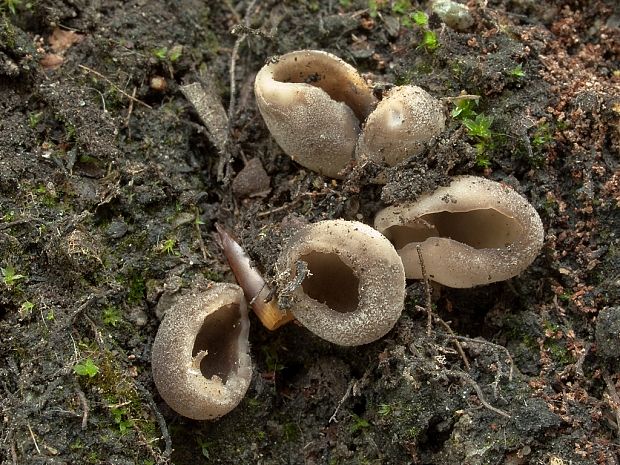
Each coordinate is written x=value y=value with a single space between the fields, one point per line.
x=110 y=187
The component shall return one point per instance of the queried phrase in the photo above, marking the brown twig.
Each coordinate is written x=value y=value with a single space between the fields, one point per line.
x=427 y=291
x=130 y=109
x=84 y=404
x=201 y=242
x=118 y=89
x=465 y=377
x=613 y=394
x=455 y=340
x=496 y=346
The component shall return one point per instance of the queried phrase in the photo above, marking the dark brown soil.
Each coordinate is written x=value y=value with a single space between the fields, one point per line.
x=110 y=188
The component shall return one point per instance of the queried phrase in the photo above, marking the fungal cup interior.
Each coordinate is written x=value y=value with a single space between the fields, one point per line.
x=220 y=340
x=479 y=229
x=325 y=73
x=331 y=282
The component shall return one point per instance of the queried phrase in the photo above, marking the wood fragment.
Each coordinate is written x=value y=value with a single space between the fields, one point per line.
x=208 y=105
x=427 y=291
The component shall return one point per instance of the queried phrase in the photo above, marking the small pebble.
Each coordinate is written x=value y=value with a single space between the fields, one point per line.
x=251 y=180
x=608 y=333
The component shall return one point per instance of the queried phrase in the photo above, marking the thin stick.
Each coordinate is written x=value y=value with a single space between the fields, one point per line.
x=233 y=64
x=33 y=438
x=461 y=97
x=201 y=241
x=456 y=342
x=347 y=394
x=130 y=109
x=427 y=291
x=496 y=346
x=13 y=453
x=118 y=89
x=163 y=427
x=465 y=377
x=84 y=404
x=613 y=393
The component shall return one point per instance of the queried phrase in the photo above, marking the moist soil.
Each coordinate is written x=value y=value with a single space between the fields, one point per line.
x=110 y=187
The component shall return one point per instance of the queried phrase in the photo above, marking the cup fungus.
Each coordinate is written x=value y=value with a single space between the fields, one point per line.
x=404 y=121
x=472 y=232
x=352 y=287
x=200 y=359
x=313 y=103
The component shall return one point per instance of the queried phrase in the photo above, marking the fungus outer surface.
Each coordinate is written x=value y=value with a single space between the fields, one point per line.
x=200 y=359
x=356 y=288
x=407 y=118
x=313 y=104
x=474 y=231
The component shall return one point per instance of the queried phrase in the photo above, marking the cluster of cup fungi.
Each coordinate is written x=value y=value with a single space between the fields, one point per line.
x=343 y=280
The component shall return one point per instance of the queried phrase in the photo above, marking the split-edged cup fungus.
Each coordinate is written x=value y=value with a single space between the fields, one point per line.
x=313 y=104
x=405 y=120
x=472 y=232
x=319 y=109
x=200 y=359
x=353 y=288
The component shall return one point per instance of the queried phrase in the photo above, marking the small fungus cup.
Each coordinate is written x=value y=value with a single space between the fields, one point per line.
x=201 y=365
x=313 y=104
x=405 y=120
x=353 y=287
x=472 y=232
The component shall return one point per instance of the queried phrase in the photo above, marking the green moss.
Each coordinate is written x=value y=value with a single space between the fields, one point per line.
x=137 y=288
x=290 y=431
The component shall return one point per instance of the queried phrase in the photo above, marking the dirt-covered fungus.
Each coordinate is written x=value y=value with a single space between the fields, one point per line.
x=472 y=232
x=200 y=359
x=345 y=281
x=406 y=118
x=313 y=104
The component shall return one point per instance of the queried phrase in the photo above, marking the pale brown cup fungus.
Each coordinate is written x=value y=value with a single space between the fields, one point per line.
x=404 y=121
x=255 y=288
x=471 y=232
x=353 y=288
x=313 y=104
x=200 y=359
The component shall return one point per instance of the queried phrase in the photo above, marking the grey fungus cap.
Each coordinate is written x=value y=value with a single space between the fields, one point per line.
x=472 y=232
x=200 y=360
x=354 y=289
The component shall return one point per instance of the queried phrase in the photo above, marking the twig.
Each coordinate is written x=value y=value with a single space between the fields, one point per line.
x=460 y=97
x=13 y=452
x=613 y=393
x=118 y=89
x=456 y=342
x=201 y=241
x=347 y=394
x=233 y=63
x=496 y=346
x=130 y=109
x=33 y=438
x=160 y=419
x=84 y=404
x=427 y=291
x=465 y=377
